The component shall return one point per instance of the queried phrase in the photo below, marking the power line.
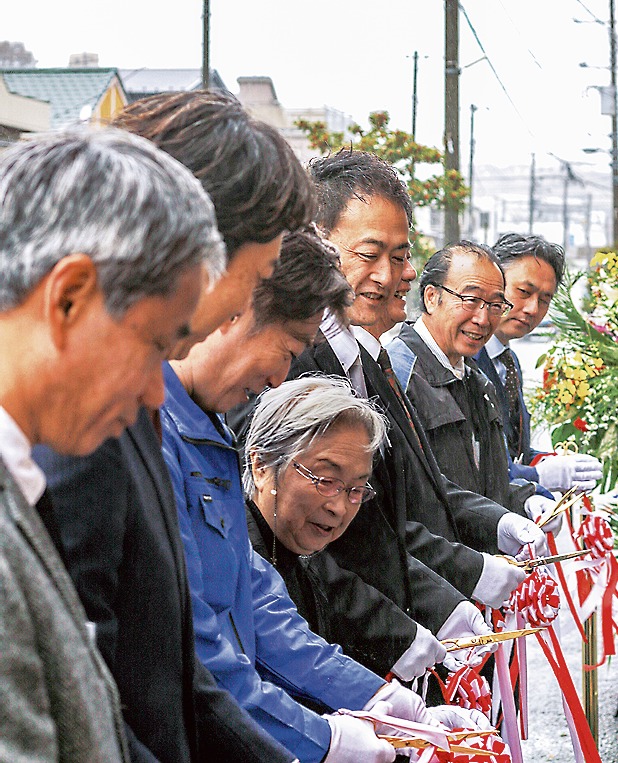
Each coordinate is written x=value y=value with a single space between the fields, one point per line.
x=588 y=11
x=493 y=69
x=516 y=28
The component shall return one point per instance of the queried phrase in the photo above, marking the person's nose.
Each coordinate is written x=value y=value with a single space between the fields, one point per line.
x=383 y=272
x=409 y=272
x=278 y=375
x=338 y=504
x=531 y=306
x=153 y=395
x=481 y=317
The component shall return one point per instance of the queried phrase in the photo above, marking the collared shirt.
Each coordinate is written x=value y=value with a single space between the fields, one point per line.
x=345 y=347
x=458 y=370
x=495 y=348
x=15 y=450
x=369 y=342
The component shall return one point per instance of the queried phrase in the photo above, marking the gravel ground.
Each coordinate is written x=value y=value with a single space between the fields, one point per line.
x=549 y=738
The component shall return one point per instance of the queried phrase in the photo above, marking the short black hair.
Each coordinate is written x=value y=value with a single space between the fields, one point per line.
x=438 y=265
x=511 y=246
x=305 y=280
x=354 y=174
x=257 y=185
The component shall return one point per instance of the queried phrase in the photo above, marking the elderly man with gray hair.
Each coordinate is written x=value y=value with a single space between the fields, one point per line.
x=103 y=240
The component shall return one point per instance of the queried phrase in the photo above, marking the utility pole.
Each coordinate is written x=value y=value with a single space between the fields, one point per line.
x=612 y=66
x=473 y=108
x=451 y=109
x=414 y=98
x=206 y=44
x=532 y=202
x=565 y=206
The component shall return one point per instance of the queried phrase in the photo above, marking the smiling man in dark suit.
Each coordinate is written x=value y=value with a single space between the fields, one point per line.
x=418 y=514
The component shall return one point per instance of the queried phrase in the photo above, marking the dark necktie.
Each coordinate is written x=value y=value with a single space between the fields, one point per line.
x=512 y=389
x=385 y=364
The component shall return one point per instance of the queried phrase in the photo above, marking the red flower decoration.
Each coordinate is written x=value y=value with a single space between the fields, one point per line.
x=580 y=424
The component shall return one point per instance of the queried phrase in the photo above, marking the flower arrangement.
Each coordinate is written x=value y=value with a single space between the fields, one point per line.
x=578 y=396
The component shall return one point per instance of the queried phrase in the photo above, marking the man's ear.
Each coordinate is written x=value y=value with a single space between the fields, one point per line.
x=229 y=323
x=431 y=298
x=70 y=288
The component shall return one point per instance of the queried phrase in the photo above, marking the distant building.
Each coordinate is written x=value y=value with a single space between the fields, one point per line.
x=258 y=96
x=84 y=61
x=70 y=95
x=140 y=83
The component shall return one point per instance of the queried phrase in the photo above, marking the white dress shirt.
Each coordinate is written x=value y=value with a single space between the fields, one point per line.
x=15 y=450
x=345 y=347
x=458 y=370
x=495 y=348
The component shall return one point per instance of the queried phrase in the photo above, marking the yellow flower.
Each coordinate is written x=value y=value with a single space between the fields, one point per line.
x=583 y=390
x=565 y=397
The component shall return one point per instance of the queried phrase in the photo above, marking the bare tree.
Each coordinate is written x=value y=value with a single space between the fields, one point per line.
x=13 y=55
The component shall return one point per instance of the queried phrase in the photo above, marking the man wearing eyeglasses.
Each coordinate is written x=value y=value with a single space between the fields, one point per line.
x=462 y=297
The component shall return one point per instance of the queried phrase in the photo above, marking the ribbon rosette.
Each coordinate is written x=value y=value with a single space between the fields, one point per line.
x=596 y=535
x=537 y=599
x=467 y=688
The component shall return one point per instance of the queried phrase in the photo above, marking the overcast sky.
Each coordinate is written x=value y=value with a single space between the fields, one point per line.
x=357 y=56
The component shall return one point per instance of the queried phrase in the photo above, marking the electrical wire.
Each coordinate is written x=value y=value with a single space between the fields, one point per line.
x=493 y=69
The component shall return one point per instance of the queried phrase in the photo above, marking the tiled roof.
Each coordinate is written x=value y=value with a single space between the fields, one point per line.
x=140 y=82
x=66 y=90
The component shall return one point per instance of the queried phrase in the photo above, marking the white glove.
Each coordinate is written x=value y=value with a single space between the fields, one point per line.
x=574 y=470
x=422 y=653
x=499 y=578
x=465 y=620
x=538 y=505
x=516 y=532
x=352 y=740
x=454 y=717
x=404 y=703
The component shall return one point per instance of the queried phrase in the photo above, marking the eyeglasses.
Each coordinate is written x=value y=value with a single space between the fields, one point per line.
x=472 y=304
x=329 y=487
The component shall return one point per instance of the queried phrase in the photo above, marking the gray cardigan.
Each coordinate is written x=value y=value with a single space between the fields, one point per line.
x=58 y=701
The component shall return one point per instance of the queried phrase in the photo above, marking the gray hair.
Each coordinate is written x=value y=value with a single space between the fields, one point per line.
x=287 y=420
x=139 y=215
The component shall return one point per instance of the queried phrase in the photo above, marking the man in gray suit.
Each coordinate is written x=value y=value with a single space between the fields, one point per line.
x=103 y=244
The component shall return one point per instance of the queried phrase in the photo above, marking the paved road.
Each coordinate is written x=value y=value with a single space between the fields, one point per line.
x=549 y=740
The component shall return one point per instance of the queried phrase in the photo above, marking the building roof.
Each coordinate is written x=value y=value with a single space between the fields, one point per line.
x=67 y=91
x=141 y=82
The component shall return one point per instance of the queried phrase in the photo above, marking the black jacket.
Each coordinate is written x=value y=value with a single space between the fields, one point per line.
x=116 y=513
x=452 y=411
x=337 y=604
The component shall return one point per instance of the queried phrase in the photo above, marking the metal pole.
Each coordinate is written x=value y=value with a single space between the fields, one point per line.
x=414 y=98
x=473 y=108
x=612 y=66
x=451 y=109
x=206 y=44
x=587 y=226
x=590 y=680
x=565 y=208
x=532 y=202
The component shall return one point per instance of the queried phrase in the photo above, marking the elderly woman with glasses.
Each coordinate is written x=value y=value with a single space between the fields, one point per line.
x=308 y=461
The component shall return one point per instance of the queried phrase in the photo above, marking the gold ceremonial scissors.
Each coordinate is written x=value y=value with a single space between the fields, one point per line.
x=570 y=498
x=468 y=642
x=528 y=565
x=458 y=736
x=567 y=447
